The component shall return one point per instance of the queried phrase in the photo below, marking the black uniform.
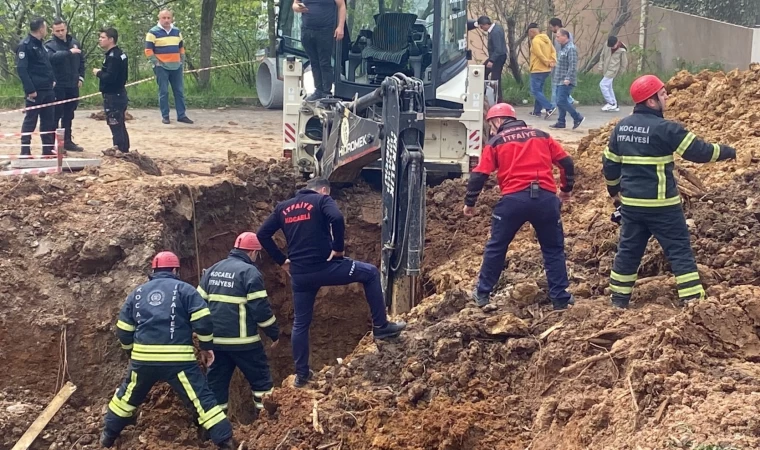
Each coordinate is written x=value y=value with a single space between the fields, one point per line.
x=113 y=77
x=36 y=74
x=638 y=165
x=156 y=325
x=234 y=290
x=69 y=71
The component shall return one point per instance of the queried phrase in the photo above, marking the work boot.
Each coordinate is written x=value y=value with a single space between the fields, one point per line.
x=229 y=444
x=481 y=298
x=71 y=146
x=185 y=119
x=303 y=381
x=106 y=440
x=389 y=330
x=560 y=306
x=619 y=304
x=165 y=120
x=316 y=95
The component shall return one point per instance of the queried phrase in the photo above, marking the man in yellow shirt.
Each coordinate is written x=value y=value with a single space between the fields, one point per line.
x=543 y=57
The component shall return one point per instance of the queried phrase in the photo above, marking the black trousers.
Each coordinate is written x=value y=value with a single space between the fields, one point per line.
x=494 y=73
x=64 y=114
x=318 y=44
x=115 y=105
x=47 y=123
x=254 y=366
x=668 y=226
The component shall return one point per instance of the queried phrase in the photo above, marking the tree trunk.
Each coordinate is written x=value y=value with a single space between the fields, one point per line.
x=514 y=65
x=623 y=16
x=208 y=13
x=272 y=30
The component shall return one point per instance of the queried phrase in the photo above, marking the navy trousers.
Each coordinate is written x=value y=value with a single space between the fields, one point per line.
x=337 y=272
x=254 y=366
x=188 y=382
x=509 y=215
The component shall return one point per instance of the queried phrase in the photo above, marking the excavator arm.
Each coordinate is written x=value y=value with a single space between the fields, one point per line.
x=387 y=124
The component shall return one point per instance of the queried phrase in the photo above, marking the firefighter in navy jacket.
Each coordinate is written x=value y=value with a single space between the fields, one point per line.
x=638 y=168
x=523 y=158
x=234 y=290
x=156 y=326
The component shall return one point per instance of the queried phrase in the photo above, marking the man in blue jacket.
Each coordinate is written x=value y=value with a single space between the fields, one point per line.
x=313 y=227
x=156 y=326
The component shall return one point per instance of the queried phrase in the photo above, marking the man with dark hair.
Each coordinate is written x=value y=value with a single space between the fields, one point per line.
x=566 y=77
x=542 y=59
x=497 y=51
x=313 y=227
x=37 y=77
x=612 y=62
x=68 y=63
x=556 y=24
x=113 y=77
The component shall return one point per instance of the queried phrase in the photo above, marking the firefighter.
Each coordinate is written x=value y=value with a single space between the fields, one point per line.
x=313 y=227
x=638 y=168
x=523 y=158
x=156 y=326
x=234 y=290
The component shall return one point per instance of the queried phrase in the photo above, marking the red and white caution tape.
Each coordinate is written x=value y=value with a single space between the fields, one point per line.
x=34 y=171
x=28 y=156
x=28 y=133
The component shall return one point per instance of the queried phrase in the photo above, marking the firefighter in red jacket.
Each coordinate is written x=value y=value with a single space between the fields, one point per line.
x=523 y=158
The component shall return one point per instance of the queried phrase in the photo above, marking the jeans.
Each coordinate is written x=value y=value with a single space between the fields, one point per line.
x=564 y=105
x=537 y=81
x=64 y=114
x=319 y=44
x=609 y=94
x=47 y=123
x=176 y=79
x=554 y=96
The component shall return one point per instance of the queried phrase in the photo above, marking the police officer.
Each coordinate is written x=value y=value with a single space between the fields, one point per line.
x=38 y=79
x=68 y=62
x=156 y=326
x=234 y=290
x=523 y=158
x=313 y=227
x=638 y=168
x=113 y=77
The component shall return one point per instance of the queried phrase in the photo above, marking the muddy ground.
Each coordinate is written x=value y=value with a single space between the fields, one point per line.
x=657 y=376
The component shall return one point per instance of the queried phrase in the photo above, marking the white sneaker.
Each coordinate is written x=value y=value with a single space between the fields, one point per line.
x=607 y=107
x=614 y=109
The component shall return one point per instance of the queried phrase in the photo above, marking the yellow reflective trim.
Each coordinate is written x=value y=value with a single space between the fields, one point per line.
x=650 y=202
x=125 y=326
x=647 y=160
x=262 y=393
x=118 y=411
x=685 y=143
x=687 y=292
x=243 y=325
x=611 y=156
x=259 y=405
x=612 y=182
x=267 y=323
x=227 y=299
x=205 y=337
x=126 y=346
x=236 y=340
x=256 y=295
x=210 y=414
x=623 y=278
x=621 y=289
x=685 y=278
x=660 y=181
x=130 y=387
x=124 y=406
x=716 y=153
x=214 y=420
x=160 y=357
x=163 y=348
x=202 y=292
x=199 y=314
x=191 y=394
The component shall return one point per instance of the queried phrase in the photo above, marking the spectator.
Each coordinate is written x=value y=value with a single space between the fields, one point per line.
x=556 y=24
x=497 y=51
x=68 y=63
x=113 y=80
x=565 y=77
x=543 y=58
x=165 y=48
x=613 y=61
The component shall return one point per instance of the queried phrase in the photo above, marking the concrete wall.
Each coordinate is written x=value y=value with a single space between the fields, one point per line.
x=673 y=36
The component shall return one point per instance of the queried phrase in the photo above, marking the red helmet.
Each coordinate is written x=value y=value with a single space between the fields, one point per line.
x=501 y=110
x=644 y=87
x=165 y=260
x=247 y=241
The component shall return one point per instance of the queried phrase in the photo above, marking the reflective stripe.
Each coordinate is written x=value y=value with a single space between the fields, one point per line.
x=685 y=143
x=660 y=181
x=199 y=314
x=687 y=292
x=126 y=346
x=647 y=160
x=256 y=295
x=262 y=393
x=121 y=406
x=612 y=182
x=621 y=289
x=650 y=202
x=116 y=409
x=242 y=319
x=214 y=420
x=205 y=418
x=125 y=326
x=203 y=293
x=205 y=337
x=236 y=340
x=159 y=357
x=716 y=153
x=623 y=278
x=163 y=348
x=267 y=323
x=223 y=406
x=685 y=278
x=227 y=299
x=611 y=156
x=259 y=405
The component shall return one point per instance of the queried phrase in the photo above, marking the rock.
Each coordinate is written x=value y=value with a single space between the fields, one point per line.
x=232 y=123
x=582 y=290
x=506 y=325
x=218 y=168
x=97 y=255
x=32 y=199
x=107 y=280
x=691 y=224
x=525 y=294
x=87 y=439
x=94 y=202
x=446 y=349
x=34 y=244
x=43 y=248
x=417 y=369
x=416 y=392
x=57 y=183
x=440 y=197
x=262 y=206
x=17 y=409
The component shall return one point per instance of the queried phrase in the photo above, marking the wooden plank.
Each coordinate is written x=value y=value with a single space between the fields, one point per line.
x=68 y=163
x=41 y=422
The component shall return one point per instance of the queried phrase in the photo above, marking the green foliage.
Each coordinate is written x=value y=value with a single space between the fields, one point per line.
x=739 y=12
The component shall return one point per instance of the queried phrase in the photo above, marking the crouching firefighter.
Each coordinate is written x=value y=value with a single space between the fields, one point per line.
x=234 y=290
x=156 y=326
x=523 y=158
x=638 y=168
